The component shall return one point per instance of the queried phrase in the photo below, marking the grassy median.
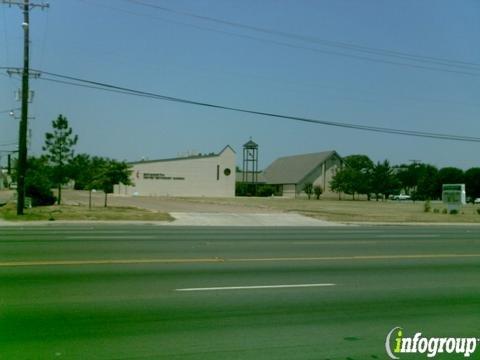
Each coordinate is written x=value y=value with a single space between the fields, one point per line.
x=79 y=213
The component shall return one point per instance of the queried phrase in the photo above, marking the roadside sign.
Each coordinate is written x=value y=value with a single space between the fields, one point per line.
x=454 y=196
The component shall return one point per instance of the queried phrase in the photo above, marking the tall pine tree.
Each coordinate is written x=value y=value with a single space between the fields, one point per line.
x=59 y=147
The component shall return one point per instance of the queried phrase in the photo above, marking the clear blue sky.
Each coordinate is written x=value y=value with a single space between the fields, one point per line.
x=124 y=43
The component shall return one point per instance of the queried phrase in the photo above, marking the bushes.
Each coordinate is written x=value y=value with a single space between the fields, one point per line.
x=427 y=207
x=38 y=182
x=41 y=195
x=317 y=190
x=266 y=190
x=248 y=189
x=308 y=189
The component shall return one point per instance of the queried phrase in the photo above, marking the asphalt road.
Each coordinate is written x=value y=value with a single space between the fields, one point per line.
x=146 y=292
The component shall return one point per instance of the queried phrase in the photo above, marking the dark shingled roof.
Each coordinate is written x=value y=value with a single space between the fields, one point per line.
x=293 y=169
x=250 y=144
x=183 y=158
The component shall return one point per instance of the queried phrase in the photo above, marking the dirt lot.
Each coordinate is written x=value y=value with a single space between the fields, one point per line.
x=331 y=210
x=170 y=204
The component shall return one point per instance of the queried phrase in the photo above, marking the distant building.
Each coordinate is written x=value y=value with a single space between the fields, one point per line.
x=291 y=173
x=210 y=175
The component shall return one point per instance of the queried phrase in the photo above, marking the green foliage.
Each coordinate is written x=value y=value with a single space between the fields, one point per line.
x=408 y=176
x=444 y=211
x=418 y=180
x=453 y=212
x=427 y=185
x=472 y=182
x=59 y=148
x=478 y=211
x=38 y=182
x=81 y=171
x=355 y=177
x=342 y=182
x=427 y=207
x=358 y=162
x=85 y=171
x=436 y=211
x=308 y=189
x=111 y=173
x=317 y=190
x=265 y=190
x=383 y=180
x=449 y=175
x=244 y=189
x=249 y=189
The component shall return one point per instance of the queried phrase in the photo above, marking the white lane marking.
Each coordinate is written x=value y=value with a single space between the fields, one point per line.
x=255 y=287
x=407 y=236
x=339 y=242
x=115 y=237
x=353 y=231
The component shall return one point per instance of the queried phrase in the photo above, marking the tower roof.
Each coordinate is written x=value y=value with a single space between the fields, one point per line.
x=250 y=144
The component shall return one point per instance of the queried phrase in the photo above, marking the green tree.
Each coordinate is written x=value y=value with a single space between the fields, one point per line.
x=472 y=182
x=427 y=188
x=409 y=175
x=112 y=173
x=450 y=175
x=317 y=190
x=343 y=181
x=383 y=180
x=308 y=189
x=359 y=169
x=38 y=183
x=59 y=147
x=81 y=171
x=85 y=171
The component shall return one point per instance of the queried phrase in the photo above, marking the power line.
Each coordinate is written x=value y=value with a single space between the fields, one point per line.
x=461 y=69
x=9 y=110
x=316 y=40
x=9 y=144
x=71 y=80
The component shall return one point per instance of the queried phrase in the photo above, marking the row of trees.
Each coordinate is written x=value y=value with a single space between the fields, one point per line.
x=59 y=165
x=361 y=176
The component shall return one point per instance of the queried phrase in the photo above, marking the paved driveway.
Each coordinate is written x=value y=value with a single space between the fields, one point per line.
x=242 y=219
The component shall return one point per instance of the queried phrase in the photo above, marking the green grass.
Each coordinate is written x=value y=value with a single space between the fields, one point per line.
x=79 y=212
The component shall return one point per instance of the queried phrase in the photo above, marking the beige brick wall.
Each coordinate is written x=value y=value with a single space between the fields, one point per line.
x=184 y=177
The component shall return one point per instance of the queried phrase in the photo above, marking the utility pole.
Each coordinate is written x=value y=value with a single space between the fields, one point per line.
x=26 y=6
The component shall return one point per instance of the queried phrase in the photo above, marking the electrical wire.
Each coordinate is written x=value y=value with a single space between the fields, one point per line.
x=5 y=32
x=316 y=40
x=9 y=110
x=9 y=144
x=461 y=69
x=71 y=80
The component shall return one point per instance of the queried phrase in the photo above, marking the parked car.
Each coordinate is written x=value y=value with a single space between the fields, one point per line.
x=476 y=201
x=400 y=197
